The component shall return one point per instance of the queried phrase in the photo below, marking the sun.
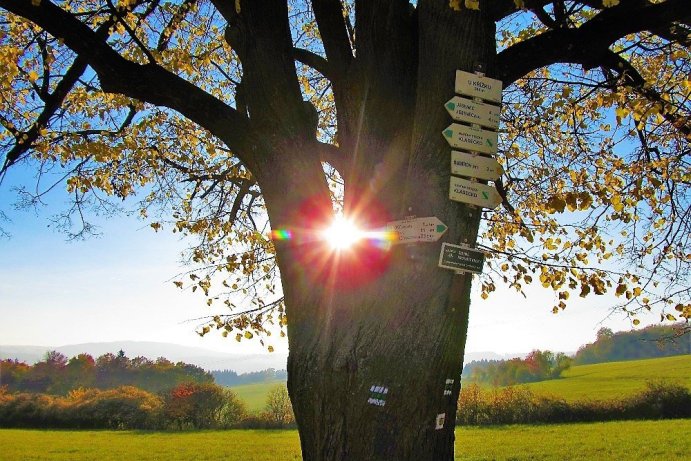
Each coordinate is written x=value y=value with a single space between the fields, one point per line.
x=342 y=234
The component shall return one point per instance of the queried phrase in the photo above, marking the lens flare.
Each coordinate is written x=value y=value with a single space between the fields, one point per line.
x=281 y=234
x=342 y=234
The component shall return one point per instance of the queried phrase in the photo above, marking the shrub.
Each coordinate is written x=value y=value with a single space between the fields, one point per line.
x=513 y=405
x=660 y=400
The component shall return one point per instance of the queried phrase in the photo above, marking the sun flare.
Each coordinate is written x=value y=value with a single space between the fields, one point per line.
x=342 y=234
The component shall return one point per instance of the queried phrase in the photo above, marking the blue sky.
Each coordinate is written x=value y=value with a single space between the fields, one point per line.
x=119 y=287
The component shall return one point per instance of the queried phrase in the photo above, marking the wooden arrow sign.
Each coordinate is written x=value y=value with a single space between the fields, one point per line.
x=471 y=138
x=475 y=166
x=467 y=110
x=477 y=86
x=474 y=193
x=418 y=229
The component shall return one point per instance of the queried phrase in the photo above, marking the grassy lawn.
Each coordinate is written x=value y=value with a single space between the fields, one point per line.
x=604 y=381
x=633 y=440
x=254 y=395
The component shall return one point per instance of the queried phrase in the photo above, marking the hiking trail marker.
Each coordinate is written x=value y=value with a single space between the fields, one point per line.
x=413 y=230
x=461 y=258
x=469 y=111
x=478 y=86
x=473 y=193
x=475 y=166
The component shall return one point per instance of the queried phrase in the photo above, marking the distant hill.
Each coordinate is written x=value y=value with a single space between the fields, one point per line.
x=204 y=358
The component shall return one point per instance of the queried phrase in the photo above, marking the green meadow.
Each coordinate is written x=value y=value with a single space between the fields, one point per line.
x=602 y=381
x=613 y=380
x=254 y=395
x=630 y=440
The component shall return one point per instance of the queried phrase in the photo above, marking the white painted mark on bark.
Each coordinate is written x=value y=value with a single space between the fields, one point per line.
x=378 y=395
x=441 y=418
x=448 y=387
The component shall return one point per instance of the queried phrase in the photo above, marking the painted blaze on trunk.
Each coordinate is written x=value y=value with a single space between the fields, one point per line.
x=377 y=334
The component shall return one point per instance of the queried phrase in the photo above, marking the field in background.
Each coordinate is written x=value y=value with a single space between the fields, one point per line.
x=613 y=380
x=254 y=395
x=631 y=440
x=602 y=381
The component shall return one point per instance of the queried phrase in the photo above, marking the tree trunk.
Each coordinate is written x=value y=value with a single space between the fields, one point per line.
x=377 y=336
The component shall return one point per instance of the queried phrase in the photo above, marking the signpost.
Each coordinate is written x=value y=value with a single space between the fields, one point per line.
x=412 y=230
x=471 y=138
x=459 y=258
x=474 y=193
x=478 y=86
x=466 y=110
x=475 y=166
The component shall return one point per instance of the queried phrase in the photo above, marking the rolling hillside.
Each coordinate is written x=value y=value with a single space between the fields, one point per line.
x=602 y=381
x=615 y=379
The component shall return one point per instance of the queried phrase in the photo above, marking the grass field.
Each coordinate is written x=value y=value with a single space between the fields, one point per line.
x=604 y=381
x=254 y=395
x=601 y=381
x=632 y=440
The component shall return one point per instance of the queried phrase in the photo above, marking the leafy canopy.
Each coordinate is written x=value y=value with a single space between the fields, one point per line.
x=594 y=140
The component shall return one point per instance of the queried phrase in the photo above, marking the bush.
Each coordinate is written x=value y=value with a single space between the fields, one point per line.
x=278 y=411
x=515 y=405
x=661 y=400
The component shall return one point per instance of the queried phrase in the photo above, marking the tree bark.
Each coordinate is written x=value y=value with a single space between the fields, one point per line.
x=377 y=336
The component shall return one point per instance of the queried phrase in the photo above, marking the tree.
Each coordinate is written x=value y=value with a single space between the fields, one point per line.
x=278 y=410
x=230 y=112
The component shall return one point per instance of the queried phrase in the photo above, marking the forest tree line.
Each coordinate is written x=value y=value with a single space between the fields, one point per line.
x=537 y=366
x=650 y=342
x=232 y=378
x=116 y=392
x=58 y=375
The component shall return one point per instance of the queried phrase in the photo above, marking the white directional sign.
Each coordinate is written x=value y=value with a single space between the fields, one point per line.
x=418 y=229
x=477 y=86
x=475 y=166
x=467 y=110
x=471 y=138
x=474 y=193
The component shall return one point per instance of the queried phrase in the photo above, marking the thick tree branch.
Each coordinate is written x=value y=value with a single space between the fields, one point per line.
x=149 y=83
x=332 y=28
x=316 y=62
x=579 y=45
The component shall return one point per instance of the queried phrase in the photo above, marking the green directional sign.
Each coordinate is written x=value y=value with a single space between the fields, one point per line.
x=411 y=230
x=459 y=258
x=474 y=193
x=467 y=110
x=471 y=138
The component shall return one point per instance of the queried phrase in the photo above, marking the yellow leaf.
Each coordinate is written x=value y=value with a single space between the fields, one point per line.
x=238 y=337
x=472 y=4
x=610 y=3
x=33 y=76
x=270 y=348
x=636 y=321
